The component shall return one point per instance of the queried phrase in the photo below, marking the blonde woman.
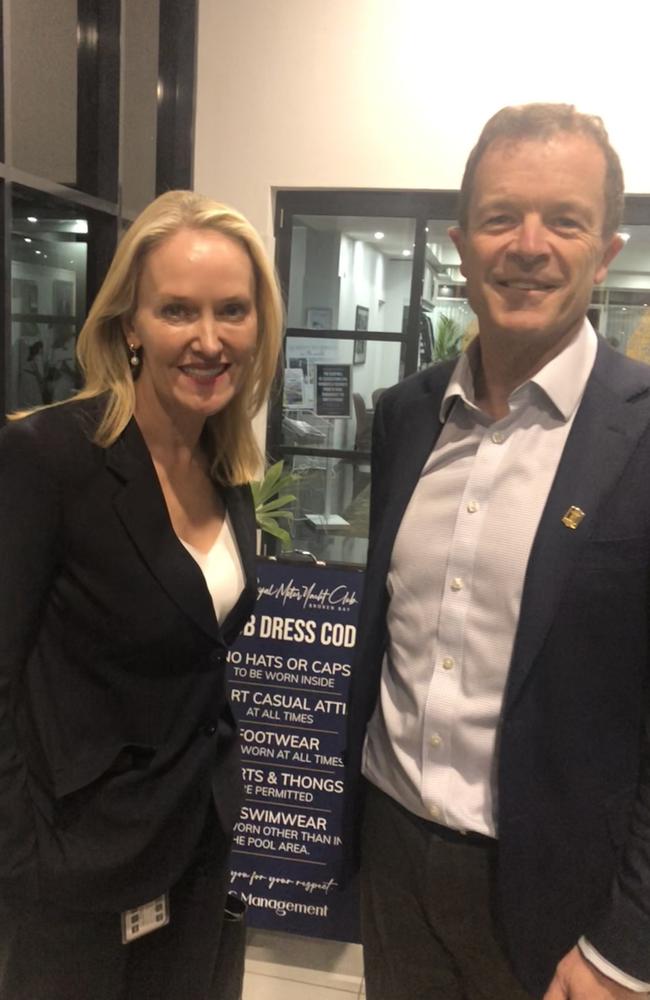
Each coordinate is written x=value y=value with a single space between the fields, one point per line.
x=127 y=546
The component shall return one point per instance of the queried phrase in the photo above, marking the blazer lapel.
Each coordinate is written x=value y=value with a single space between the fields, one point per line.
x=413 y=438
x=141 y=507
x=614 y=411
x=240 y=508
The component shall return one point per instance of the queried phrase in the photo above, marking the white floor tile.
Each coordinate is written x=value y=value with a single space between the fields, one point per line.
x=259 y=987
x=313 y=961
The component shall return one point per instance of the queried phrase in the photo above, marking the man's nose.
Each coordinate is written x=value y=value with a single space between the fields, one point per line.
x=531 y=239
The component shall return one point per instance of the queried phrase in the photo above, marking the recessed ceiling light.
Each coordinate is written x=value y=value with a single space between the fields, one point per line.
x=32 y=218
x=379 y=235
x=406 y=253
x=625 y=236
x=28 y=239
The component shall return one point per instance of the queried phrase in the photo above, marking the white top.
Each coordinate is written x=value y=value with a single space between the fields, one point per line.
x=455 y=583
x=222 y=569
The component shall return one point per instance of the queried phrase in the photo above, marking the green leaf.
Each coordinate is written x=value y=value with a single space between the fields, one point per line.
x=278 y=502
x=271 y=497
x=269 y=485
x=287 y=514
x=271 y=527
x=447 y=339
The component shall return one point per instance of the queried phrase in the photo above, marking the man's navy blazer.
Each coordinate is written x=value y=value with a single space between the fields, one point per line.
x=115 y=732
x=573 y=747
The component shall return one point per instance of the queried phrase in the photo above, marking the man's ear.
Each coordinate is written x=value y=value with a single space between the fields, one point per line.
x=614 y=246
x=457 y=237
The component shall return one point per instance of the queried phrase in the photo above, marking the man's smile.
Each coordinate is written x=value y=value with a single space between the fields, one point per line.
x=527 y=284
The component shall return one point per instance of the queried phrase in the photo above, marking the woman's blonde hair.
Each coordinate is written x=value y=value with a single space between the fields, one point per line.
x=102 y=352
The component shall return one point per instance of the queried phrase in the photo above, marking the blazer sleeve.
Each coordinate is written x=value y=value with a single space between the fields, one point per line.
x=621 y=934
x=29 y=543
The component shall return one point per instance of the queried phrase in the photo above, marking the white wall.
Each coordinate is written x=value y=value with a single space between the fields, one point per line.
x=392 y=93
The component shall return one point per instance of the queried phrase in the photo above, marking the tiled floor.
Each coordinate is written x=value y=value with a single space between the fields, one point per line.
x=289 y=967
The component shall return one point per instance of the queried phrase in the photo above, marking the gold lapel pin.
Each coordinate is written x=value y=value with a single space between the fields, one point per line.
x=573 y=517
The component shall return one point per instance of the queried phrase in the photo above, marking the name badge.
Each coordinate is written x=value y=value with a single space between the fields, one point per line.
x=145 y=919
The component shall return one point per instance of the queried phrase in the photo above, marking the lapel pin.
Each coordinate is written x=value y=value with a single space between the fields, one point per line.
x=573 y=518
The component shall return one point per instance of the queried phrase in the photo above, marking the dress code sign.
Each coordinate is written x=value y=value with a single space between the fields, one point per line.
x=289 y=674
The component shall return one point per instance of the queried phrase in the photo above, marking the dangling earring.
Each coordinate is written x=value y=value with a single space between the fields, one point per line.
x=134 y=359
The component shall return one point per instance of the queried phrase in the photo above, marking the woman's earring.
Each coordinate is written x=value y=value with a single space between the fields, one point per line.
x=134 y=359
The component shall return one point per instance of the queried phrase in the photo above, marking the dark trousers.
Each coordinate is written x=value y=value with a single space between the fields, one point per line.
x=426 y=922
x=57 y=954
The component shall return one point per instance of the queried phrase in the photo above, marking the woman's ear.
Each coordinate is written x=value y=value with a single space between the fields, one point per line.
x=127 y=326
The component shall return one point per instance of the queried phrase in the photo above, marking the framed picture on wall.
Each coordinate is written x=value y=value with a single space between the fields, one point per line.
x=319 y=318
x=360 y=323
x=359 y=352
x=62 y=298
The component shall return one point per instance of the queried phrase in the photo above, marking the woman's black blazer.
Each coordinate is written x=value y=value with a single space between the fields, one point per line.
x=115 y=732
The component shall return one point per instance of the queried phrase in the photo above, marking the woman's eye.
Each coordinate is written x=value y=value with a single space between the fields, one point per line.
x=175 y=311
x=234 y=310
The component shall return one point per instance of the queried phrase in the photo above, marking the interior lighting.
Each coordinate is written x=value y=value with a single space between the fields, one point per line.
x=406 y=253
x=28 y=239
x=37 y=251
x=625 y=236
x=379 y=235
x=32 y=218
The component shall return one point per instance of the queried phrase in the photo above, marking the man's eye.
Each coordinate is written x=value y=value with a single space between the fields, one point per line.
x=494 y=221
x=566 y=222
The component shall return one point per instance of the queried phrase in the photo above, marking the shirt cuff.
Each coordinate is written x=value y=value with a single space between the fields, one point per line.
x=610 y=970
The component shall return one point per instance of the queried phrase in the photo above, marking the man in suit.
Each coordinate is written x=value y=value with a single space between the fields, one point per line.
x=502 y=657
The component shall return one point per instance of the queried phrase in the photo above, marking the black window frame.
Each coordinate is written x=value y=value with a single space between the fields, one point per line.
x=97 y=187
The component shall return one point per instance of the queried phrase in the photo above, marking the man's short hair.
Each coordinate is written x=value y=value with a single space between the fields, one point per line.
x=540 y=122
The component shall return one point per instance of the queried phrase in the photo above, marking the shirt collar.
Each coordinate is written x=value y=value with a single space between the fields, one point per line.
x=562 y=380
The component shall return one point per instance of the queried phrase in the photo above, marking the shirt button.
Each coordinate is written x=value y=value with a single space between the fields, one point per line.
x=472 y=507
x=456 y=583
x=434 y=811
x=498 y=437
x=436 y=740
x=448 y=663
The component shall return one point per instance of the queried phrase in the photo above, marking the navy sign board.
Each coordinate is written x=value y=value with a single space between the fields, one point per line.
x=289 y=674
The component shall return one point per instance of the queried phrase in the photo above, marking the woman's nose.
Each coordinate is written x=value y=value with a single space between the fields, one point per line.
x=209 y=334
